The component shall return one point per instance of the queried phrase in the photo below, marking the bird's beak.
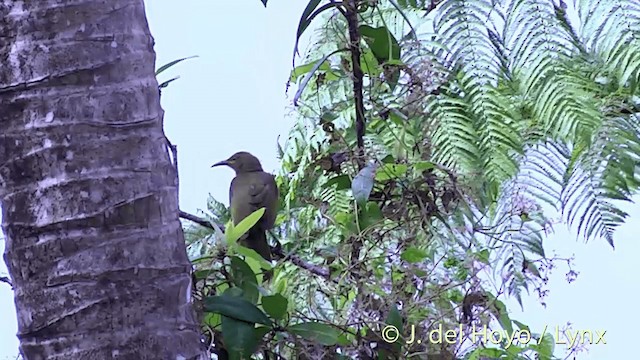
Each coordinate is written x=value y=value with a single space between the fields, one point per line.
x=221 y=163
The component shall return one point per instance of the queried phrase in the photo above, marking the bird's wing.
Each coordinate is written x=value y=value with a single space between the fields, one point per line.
x=265 y=195
x=263 y=188
x=261 y=191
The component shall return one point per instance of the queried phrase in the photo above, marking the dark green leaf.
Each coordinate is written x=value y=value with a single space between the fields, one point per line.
x=395 y=319
x=275 y=305
x=342 y=181
x=236 y=307
x=261 y=331
x=166 y=83
x=305 y=21
x=233 y=292
x=384 y=45
x=322 y=333
x=308 y=15
x=245 y=278
x=166 y=66
x=202 y=274
x=239 y=338
x=389 y=159
x=370 y=216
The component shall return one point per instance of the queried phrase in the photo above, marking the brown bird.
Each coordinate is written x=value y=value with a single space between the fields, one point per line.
x=250 y=190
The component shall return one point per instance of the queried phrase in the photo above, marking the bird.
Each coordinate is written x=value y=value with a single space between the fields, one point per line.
x=252 y=189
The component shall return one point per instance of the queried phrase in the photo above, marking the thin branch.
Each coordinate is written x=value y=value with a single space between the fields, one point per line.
x=174 y=152
x=198 y=220
x=4 y=279
x=351 y=13
x=314 y=269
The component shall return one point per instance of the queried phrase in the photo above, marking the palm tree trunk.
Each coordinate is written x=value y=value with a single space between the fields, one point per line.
x=89 y=196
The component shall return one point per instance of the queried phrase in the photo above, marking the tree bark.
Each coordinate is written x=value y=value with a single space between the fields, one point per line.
x=94 y=245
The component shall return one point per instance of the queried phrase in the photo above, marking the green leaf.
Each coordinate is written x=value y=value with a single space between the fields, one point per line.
x=455 y=295
x=369 y=63
x=306 y=68
x=212 y=319
x=244 y=278
x=545 y=347
x=395 y=319
x=236 y=307
x=261 y=331
x=370 y=216
x=232 y=292
x=309 y=75
x=413 y=255
x=174 y=62
x=305 y=21
x=384 y=45
x=521 y=326
x=343 y=182
x=314 y=331
x=514 y=350
x=347 y=222
x=423 y=165
x=391 y=171
x=491 y=353
x=253 y=259
x=483 y=256
x=239 y=338
x=202 y=274
x=235 y=232
x=275 y=305
x=166 y=83
x=502 y=315
x=307 y=16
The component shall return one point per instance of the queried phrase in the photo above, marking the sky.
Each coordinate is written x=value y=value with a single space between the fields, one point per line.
x=232 y=98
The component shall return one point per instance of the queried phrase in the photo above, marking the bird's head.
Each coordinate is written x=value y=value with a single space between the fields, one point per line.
x=241 y=162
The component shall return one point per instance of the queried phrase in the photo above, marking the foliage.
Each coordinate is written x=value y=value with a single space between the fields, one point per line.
x=165 y=67
x=473 y=114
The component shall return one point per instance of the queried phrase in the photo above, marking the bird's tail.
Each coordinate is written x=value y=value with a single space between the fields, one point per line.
x=256 y=239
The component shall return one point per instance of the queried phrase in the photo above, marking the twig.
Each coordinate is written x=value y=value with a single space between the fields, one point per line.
x=351 y=13
x=174 y=154
x=5 y=279
x=198 y=220
x=314 y=269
